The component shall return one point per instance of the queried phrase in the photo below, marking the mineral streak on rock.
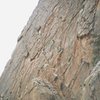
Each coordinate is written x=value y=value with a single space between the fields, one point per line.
x=57 y=56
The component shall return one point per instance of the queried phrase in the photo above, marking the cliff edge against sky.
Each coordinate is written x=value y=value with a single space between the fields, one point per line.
x=57 y=56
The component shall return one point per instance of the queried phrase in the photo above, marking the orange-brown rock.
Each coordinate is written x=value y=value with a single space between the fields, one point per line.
x=57 y=55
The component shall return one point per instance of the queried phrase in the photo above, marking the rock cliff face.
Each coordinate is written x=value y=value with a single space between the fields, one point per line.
x=57 y=56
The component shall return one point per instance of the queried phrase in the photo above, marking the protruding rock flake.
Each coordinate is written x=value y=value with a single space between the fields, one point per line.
x=86 y=18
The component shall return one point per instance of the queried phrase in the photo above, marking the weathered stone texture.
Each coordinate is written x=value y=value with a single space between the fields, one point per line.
x=57 y=55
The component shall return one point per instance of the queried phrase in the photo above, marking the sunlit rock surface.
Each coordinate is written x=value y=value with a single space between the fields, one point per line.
x=57 y=55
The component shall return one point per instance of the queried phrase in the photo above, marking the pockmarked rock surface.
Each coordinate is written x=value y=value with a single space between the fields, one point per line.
x=57 y=56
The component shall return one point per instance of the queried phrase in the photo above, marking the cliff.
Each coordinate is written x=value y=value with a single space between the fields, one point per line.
x=57 y=56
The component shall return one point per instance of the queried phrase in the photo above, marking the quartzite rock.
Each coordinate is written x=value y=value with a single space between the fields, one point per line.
x=57 y=54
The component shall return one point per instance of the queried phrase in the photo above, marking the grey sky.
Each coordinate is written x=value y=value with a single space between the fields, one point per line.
x=14 y=14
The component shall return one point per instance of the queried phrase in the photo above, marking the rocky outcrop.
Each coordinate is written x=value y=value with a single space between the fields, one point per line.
x=91 y=90
x=57 y=55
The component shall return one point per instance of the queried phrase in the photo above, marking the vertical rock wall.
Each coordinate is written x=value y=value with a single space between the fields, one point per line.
x=57 y=54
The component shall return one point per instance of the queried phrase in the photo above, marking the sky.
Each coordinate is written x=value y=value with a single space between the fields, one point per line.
x=14 y=15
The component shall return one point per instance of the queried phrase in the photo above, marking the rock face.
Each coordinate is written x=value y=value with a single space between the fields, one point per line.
x=57 y=56
x=91 y=90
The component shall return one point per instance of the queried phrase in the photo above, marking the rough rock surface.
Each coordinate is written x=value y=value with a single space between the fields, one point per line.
x=57 y=56
x=91 y=90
